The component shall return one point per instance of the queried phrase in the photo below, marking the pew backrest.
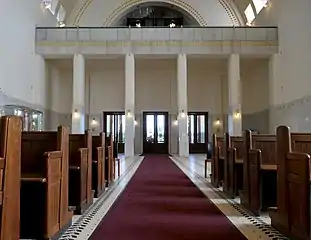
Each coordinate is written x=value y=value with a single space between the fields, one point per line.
x=237 y=143
x=267 y=145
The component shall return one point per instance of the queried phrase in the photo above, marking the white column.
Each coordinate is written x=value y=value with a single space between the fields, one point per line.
x=234 y=88
x=129 y=105
x=182 y=101
x=78 y=95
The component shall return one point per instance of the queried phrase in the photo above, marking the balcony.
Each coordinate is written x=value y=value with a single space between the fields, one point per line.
x=199 y=40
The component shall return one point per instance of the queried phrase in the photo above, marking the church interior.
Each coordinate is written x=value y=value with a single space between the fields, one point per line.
x=155 y=119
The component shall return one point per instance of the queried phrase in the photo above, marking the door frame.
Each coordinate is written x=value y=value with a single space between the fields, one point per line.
x=199 y=147
x=105 y=114
x=165 y=147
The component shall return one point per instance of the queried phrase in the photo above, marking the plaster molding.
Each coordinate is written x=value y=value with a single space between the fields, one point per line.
x=228 y=6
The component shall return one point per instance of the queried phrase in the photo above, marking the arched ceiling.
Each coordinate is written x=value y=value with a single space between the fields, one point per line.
x=237 y=8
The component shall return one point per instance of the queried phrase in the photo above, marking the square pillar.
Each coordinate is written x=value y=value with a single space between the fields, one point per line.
x=234 y=104
x=182 y=101
x=78 y=95
x=129 y=105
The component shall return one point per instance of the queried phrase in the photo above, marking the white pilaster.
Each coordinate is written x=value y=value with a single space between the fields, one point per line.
x=129 y=105
x=78 y=95
x=182 y=101
x=234 y=88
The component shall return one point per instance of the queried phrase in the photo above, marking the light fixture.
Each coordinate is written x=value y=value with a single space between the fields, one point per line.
x=175 y=123
x=237 y=115
x=76 y=114
x=217 y=122
x=182 y=114
x=135 y=122
x=128 y=114
x=138 y=25
x=94 y=122
x=172 y=25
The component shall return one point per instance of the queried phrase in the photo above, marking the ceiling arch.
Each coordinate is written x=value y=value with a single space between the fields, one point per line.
x=124 y=8
x=200 y=13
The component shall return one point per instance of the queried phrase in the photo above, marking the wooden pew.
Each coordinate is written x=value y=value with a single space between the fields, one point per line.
x=292 y=214
x=80 y=176
x=98 y=173
x=10 y=165
x=217 y=164
x=259 y=168
x=233 y=173
x=44 y=184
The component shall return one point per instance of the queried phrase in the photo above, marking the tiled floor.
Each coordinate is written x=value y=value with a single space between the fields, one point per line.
x=253 y=228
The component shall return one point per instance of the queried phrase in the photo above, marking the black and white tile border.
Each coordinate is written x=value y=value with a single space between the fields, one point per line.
x=252 y=227
x=86 y=224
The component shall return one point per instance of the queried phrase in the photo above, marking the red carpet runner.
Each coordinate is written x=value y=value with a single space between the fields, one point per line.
x=161 y=203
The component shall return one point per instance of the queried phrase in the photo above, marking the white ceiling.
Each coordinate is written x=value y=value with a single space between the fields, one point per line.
x=70 y=4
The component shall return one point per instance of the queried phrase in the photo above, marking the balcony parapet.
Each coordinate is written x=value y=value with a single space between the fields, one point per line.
x=131 y=39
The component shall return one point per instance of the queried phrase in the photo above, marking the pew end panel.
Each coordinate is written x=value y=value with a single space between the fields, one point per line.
x=254 y=156
x=298 y=198
x=98 y=164
x=220 y=164
x=233 y=180
x=231 y=190
x=244 y=194
x=80 y=175
x=291 y=216
x=10 y=166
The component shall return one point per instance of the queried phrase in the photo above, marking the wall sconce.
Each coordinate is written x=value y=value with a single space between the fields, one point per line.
x=237 y=115
x=94 y=122
x=182 y=114
x=217 y=122
x=175 y=123
x=135 y=122
x=128 y=113
x=76 y=114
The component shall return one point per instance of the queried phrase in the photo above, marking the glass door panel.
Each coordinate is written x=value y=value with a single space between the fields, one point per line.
x=191 y=128
x=201 y=129
x=150 y=128
x=160 y=128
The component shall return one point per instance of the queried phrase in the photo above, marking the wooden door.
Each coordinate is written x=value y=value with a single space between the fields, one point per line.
x=198 y=132
x=114 y=123
x=155 y=132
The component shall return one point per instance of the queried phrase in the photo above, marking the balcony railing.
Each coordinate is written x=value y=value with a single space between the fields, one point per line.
x=185 y=34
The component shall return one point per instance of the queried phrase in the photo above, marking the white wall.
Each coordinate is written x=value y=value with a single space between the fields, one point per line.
x=255 y=85
x=292 y=70
x=106 y=86
x=22 y=73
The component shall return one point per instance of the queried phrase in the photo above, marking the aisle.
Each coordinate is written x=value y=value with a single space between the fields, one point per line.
x=160 y=202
